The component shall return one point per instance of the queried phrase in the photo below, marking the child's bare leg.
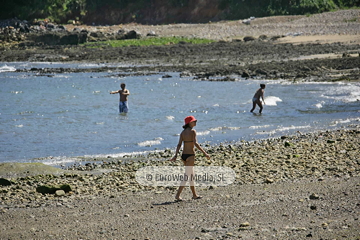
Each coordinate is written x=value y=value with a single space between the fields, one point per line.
x=254 y=106
x=261 y=106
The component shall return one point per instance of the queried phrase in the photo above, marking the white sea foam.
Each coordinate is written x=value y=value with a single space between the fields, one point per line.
x=17 y=92
x=348 y=120
x=156 y=141
x=343 y=92
x=343 y=121
x=292 y=128
x=61 y=76
x=7 y=68
x=272 y=100
x=203 y=133
x=266 y=132
x=234 y=128
x=320 y=104
x=216 y=129
x=170 y=117
x=118 y=155
x=58 y=161
x=223 y=128
x=257 y=127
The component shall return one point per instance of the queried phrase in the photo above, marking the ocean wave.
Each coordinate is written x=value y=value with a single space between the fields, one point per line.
x=266 y=132
x=345 y=93
x=7 y=68
x=257 y=127
x=320 y=104
x=17 y=92
x=272 y=100
x=292 y=128
x=59 y=161
x=224 y=128
x=348 y=120
x=203 y=133
x=149 y=143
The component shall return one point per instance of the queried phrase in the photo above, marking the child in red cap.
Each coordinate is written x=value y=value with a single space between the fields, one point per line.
x=188 y=136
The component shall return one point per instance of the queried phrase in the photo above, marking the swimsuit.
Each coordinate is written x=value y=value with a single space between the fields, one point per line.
x=254 y=99
x=184 y=156
x=123 y=107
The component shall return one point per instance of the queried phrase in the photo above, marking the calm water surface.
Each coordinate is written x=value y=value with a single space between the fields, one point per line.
x=57 y=118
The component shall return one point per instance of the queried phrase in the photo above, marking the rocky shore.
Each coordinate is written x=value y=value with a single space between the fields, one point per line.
x=304 y=186
x=291 y=187
x=321 y=47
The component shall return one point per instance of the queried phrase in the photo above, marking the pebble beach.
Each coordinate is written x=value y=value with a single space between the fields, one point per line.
x=292 y=187
x=303 y=186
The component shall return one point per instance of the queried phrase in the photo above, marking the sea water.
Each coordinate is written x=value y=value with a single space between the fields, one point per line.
x=59 y=118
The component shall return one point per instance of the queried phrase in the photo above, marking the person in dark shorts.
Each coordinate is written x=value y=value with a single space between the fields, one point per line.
x=188 y=137
x=256 y=99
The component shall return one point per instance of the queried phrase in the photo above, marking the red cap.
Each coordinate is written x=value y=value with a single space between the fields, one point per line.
x=189 y=119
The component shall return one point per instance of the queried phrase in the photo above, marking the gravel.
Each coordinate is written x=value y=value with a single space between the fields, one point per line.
x=291 y=187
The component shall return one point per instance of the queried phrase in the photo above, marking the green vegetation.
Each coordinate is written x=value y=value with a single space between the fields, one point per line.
x=261 y=8
x=61 y=11
x=149 y=41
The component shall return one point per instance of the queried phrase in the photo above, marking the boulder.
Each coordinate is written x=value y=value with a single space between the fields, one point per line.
x=120 y=35
x=245 y=74
x=83 y=37
x=248 y=38
x=260 y=71
x=132 y=35
x=60 y=193
x=70 y=39
x=46 y=189
x=151 y=34
x=4 y=182
x=50 y=26
x=263 y=37
x=48 y=38
x=61 y=28
x=314 y=196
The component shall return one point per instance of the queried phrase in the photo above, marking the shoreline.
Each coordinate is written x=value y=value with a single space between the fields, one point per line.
x=292 y=184
x=74 y=162
x=293 y=62
x=239 y=151
x=299 y=186
x=327 y=44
